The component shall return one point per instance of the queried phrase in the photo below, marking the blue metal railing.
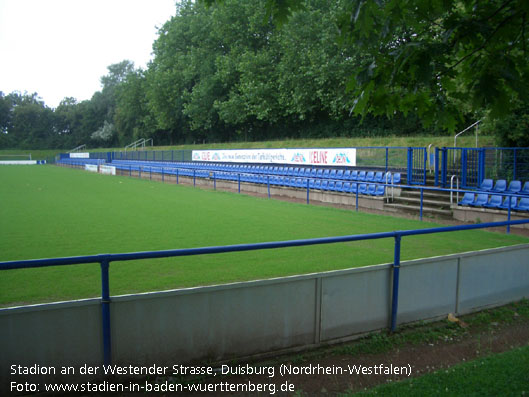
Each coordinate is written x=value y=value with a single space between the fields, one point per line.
x=105 y=259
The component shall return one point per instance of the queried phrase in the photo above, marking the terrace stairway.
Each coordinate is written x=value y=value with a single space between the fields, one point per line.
x=435 y=203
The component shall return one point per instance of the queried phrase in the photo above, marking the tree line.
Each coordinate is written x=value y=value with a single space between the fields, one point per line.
x=229 y=72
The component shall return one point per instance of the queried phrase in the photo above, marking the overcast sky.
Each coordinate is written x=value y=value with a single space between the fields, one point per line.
x=61 y=48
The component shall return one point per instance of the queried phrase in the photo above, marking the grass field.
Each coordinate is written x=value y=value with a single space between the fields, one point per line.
x=503 y=374
x=49 y=211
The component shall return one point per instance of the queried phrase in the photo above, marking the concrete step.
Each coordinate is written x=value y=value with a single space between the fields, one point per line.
x=416 y=209
x=439 y=196
x=432 y=202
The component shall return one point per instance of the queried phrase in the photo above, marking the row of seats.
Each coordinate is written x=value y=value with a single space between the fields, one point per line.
x=80 y=161
x=372 y=189
x=514 y=187
x=495 y=201
x=298 y=172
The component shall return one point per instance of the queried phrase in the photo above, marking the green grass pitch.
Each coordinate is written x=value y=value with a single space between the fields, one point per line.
x=48 y=211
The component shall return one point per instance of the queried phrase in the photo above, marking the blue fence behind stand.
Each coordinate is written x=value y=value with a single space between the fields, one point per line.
x=472 y=165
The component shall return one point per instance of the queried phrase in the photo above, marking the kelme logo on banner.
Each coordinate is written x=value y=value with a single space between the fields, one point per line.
x=298 y=158
x=341 y=158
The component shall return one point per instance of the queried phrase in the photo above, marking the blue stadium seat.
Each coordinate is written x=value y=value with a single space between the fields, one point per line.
x=387 y=177
x=347 y=175
x=525 y=189
x=324 y=184
x=468 y=198
x=339 y=174
x=361 y=176
x=481 y=199
x=332 y=174
x=514 y=187
x=380 y=190
x=362 y=188
x=338 y=186
x=326 y=173
x=523 y=205
x=330 y=185
x=370 y=176
x=317 y=184
x=486 y=185
x=396 y=178
x=371 y=189
x=354 y=175
x=494 y=202
x=319 y=173
x=505 y=204
x=379 y=177
x=346 y=187
x=501 y=186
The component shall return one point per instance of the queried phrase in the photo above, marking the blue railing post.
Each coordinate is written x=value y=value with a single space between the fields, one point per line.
x=422 y=199
x=481 y=166
x=239 y=182
x=509 y=215
x=464 y=167
x=444 y=167
x=387 y=155
x=409 y=174
x=308 y=189
x=356 y=198
x=105 y=312
x=436 y=167
x=214 y=181
x=194 y=177
x=395 y=292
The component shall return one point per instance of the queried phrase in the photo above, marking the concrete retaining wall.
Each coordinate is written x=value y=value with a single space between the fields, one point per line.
x=242 y=319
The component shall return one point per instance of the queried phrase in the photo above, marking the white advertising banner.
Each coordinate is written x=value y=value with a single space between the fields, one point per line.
x=79 y=155
x=329 y=157
x=18 y=162
x=107 y=170
x=91 y=167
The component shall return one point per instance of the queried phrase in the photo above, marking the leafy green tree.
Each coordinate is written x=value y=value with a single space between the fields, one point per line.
x=132 y=118
x=5 y=120
x=32 y=124
x=442 y=60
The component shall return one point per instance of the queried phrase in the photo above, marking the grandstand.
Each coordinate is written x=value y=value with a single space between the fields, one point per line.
x=388 y=184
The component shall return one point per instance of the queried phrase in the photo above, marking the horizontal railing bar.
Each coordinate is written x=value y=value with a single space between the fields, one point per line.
x=23 y=264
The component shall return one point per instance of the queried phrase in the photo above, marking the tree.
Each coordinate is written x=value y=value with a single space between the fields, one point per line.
x=31 y=123
x=440 y=59
x=132 y=118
